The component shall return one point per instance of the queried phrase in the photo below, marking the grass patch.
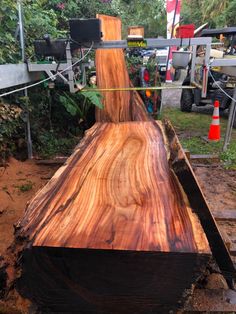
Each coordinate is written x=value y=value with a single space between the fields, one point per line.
x=185 y=121
x=50 y=144
x=193 y=127
x=27 y=186
x=229 y=156
x=196 y=145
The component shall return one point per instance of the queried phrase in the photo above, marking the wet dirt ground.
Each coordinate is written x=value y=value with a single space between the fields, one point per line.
x=19 y=181
x=219 y=186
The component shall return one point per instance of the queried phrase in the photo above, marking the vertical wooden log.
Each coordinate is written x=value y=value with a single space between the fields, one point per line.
x=119 y=106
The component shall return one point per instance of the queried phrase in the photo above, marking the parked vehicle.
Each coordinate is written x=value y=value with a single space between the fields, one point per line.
x=162 y=55
x=219 y=83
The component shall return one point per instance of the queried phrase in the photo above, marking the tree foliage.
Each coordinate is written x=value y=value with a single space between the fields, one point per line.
x=137 y=12
x=56 y=117
x=9 y=48
x=218 y=13
x=51 y=16
x=43 y=16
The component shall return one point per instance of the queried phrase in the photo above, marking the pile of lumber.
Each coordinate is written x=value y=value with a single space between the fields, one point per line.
x=113 y=231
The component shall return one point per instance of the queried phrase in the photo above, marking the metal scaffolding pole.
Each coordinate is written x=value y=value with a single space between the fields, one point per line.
x=232 y=113
x=22 y=44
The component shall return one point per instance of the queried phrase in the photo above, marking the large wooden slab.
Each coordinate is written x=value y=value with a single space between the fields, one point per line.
x=116 y=192
x=113 y=231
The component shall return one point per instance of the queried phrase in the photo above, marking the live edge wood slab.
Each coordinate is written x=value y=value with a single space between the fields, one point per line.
x=113 y=231
x=118 y=192
x=117 y=229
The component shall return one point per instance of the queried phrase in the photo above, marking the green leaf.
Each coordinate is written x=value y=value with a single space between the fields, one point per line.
x=94 y=97
x=69 y=106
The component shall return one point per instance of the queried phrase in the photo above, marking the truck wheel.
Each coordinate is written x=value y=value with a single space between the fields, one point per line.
x=186 y=101
x=220 y=97
x=223 y=99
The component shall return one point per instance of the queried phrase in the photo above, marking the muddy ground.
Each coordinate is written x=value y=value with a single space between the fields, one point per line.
x=19 y=181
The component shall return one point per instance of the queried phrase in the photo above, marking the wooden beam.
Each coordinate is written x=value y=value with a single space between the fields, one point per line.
x=204 y=157
x=136 y=30
x=233 y=249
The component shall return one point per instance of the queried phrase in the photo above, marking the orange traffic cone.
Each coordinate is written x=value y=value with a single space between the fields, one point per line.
x=214 y=132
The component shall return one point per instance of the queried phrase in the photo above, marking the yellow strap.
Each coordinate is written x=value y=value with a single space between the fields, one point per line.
x=124 y=89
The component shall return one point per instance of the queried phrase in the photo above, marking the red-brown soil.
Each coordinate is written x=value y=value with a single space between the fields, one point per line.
x=14 y=179
x=19 y=181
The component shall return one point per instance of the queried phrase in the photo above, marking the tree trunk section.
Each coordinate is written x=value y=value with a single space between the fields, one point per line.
x=115 y=230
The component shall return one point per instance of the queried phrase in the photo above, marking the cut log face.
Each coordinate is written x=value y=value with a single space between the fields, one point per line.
x=116 y=192
x=119 y=106
x=63 y=280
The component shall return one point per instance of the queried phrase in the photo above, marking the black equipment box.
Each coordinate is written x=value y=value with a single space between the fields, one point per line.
x=85 y=30
x=51 y=48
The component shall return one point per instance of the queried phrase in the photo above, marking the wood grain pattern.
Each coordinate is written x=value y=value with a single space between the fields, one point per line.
x=119 y=106
x=116 y=192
